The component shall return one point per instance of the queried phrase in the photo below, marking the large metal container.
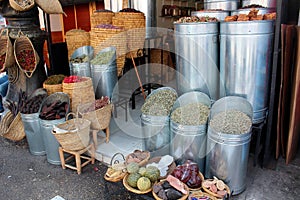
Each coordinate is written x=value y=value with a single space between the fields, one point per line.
x=221 y=4
x=82 y=69
x=245 y=62
x=46 y=126
x=227 y=154
x=264 y=3
x=33 y=134
x=196 y=48
x=156 y=131
x=189 y=142
x=261 y=11
x=105 y=76
x=219 y=14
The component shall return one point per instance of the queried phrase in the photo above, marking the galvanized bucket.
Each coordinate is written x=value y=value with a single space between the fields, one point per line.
x=105 y=76
x=156 y=131
x=261 y=11
x=227 y=154
x=196 y=48
x=219 y=14
x=246 y=60
x=221 y=4
x=189 y=142
x=264 y=3
x=46 y=126
x=82 y=69
x=33 y=134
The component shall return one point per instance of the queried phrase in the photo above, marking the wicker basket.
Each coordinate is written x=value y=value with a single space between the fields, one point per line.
x=18 y=7
x=143 y=162
x=134 y=190
x=199 y=194
x=214 y=194
x=79 y=92
x=101 y=17
x=24 y=43
x=99 y=118
x=182 y=198
x=74 y=134
x=113 y=162
x=6 y=49
x=52 y=88
x=76 y=38
x=202 y=179
x=15 y=130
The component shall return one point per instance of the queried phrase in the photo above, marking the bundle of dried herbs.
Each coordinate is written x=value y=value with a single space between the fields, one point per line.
x=160 y=103
x=193 y=114
x=231 y=122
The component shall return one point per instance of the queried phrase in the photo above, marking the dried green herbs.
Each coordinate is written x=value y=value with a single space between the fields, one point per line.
x=191 y=114
x=55 y=79
x=159 y=103
x=231 y=122
x=80 y=59
x=103 y=58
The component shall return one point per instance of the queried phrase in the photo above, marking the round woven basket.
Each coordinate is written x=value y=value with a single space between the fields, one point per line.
x=134 y=190
x=214 y=194
x=76 y=38
x=182 y=198
x=200 y=194
x=143 y=162
x=202 y=179
x=79 y=92
x=18 y=7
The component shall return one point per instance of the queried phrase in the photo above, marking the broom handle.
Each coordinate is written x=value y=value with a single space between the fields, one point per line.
x=138 y=76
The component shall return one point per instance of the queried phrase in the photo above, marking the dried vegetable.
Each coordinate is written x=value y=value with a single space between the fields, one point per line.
x=2 y=60
x=191 y=114
x=31 y=105
x=231 y=122
x=253 y=15
x=54 y=110
x=99 y=103
x=73 y=79
x=195 y=19
x=80 y=59
x=55 y=79
x=103 y=58
x=160 y=103
x=216 y=186
x=26 y=59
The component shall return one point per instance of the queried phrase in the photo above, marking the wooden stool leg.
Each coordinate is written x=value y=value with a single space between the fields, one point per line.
x=95 y=140
x=93 y=153
x=62 y=157
x=107 y=134
x=78 y=163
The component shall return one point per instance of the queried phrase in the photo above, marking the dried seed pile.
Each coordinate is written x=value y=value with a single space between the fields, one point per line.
x=80 y=59
x=192 y=114
x=195 y=19
x=55 y=79
x=160 y=103
x=231 y=122
x=103 y=58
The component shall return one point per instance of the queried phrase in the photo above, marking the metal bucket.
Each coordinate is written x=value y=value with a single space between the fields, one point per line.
x=219 y=14
x=246 y=60
x=261 y=11
x=33 y=134
x=221 y=4
x=227 y=154
x=105 y=76
x=189 y=142
x=264 y=3
x=82 y=69
x=196 y=48
x=51 y=143
x=156 y=131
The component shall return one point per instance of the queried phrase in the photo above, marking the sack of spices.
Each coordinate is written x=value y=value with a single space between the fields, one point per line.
x=21 y=5
x=25 y=55
x=50 y=6
x=6 y=51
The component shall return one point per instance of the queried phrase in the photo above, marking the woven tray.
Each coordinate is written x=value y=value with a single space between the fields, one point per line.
x=161 y=182
x=134 y=190
x=214 y=194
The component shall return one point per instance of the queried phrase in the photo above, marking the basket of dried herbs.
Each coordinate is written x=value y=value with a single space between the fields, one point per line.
x=54 y=83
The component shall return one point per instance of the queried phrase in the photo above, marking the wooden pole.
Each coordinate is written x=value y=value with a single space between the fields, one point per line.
x=138 y=76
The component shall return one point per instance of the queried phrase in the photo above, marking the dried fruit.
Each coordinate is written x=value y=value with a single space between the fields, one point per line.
x=26 y=59
x=220 y=185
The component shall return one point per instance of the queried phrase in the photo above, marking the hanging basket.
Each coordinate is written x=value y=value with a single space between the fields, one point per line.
x=50 y=6
x=74 y=134
x=13 y=128
x=21 y=5
x=6 y=51
x=25 y=55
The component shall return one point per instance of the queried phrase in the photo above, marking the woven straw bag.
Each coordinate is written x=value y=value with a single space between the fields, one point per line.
x=6 y=51
x=23 y=6
x=79 y=92
x=50 y=6
x=12 y=127
x=23 y=43
x=73 y=134
x=76 y=38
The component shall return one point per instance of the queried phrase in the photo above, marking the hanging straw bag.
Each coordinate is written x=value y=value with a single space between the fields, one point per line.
x=6 y=51
x=12 y=127
x=21 y=5
x=50 y=6
x=74 y=134
x=25 y=55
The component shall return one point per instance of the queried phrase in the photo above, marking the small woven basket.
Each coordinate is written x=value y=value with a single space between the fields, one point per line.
x=134 y=190
x=52 y=88
x=143 y=162
x=73 y=134
x=114 y=161
x=6 y=50
x=16 y=6
x=15 y=130
x=79 y=92
x=214 y=194
x=76 y=38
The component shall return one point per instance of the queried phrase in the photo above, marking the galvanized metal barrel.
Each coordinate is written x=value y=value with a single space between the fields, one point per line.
x=219 y=14
x=105 y=76
x=246 y=60
x=189 y=142
x=227 y=154
x=46 y=126
x=156 y=131
x=264 y=3
x=33 y=134
x=261 y=11
x=221 y=4
x=196 y=48
x=82 y=69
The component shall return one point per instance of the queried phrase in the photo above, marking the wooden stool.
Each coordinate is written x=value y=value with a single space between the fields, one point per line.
x=78 y=156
